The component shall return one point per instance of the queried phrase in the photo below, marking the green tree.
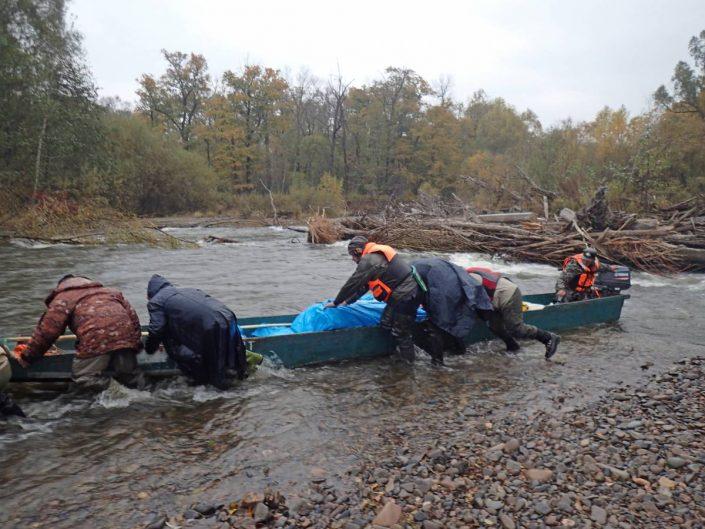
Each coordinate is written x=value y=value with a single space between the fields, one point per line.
x=175 y=100
x=688 y=94
x=143 y=171
x=48 y=116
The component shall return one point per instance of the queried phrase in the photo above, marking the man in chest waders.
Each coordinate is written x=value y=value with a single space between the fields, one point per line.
x=381 y=270
x=506 y=321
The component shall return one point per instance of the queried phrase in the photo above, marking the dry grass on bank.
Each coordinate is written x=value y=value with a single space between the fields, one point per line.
x=61 y=220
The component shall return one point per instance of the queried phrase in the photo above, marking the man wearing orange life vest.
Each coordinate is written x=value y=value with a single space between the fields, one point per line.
x=578 y=276
x=390 y=278
x=506 y=320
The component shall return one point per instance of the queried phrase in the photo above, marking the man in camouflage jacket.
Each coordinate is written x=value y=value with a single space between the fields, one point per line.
x=107 y=329
x=579 y=268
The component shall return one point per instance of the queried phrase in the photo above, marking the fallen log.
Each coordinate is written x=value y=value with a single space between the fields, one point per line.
x=506 y=217
x=650 y=250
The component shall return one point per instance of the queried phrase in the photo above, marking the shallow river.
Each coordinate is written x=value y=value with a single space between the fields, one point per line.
x=109 y=460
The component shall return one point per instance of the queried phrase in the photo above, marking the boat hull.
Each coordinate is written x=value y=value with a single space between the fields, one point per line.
x=305 y=349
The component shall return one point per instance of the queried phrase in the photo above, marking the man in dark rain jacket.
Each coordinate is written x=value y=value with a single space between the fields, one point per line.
x=389 y=277
x=453 y=301
x=199 y=333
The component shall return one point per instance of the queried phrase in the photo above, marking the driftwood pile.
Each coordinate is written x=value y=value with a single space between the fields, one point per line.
x=672 y=242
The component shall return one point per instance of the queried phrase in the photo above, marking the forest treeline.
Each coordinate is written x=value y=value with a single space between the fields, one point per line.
x=195 y=141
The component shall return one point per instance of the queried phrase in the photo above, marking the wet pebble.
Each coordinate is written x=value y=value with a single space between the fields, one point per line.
x=631 y=460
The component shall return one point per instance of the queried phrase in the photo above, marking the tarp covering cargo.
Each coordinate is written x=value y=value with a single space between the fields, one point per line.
x=366 y=312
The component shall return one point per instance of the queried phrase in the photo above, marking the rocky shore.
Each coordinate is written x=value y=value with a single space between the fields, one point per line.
x=633 y=459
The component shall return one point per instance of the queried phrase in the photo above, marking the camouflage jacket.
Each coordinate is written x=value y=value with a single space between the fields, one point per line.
x=101 y=318
x=568 y=279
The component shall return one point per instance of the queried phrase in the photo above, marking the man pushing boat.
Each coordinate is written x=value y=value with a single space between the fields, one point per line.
x=199 y=333
x=454 y=302
x=391 y=279
x=506 y=320
x=107 y=329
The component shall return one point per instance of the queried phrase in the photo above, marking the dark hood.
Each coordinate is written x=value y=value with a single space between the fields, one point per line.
x=72 y=283
x=156 y=283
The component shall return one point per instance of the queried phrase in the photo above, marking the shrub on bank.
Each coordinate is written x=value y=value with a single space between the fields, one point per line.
x=146 y=173
x=301 y=201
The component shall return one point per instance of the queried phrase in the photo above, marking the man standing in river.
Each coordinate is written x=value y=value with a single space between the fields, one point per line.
x=107 y=329
x=391 y=279
x=199 y=333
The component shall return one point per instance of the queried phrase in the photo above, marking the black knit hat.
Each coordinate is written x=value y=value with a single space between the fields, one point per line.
x=590 y=253
x=357 y=242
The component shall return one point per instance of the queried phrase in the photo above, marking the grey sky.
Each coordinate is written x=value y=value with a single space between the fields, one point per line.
x=559 y=58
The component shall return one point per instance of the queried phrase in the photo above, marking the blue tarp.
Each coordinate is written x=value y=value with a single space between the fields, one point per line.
x=366 y=312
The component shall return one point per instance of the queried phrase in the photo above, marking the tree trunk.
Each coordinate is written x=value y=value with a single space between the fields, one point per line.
x=38 y=162
x=208 y=153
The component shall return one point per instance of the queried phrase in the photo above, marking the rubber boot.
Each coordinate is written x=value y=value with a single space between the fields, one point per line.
x=512 y=345
x=406 y=351
x=8 y=407
x=435 y=346
x=550 y=340
x=402 y=332
x=457 y=347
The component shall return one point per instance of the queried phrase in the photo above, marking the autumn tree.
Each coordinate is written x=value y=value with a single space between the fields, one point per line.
x=439 y=153
x=255 y=103
x=395 y=105
x=175 y=100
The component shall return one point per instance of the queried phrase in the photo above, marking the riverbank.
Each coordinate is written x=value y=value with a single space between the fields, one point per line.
x=105 y=226
x=633 y=459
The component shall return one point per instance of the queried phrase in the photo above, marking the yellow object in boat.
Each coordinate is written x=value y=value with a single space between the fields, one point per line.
x=527 y=306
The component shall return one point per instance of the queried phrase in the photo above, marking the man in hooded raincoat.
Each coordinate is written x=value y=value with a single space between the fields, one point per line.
x=198 y=332
x=453 y=303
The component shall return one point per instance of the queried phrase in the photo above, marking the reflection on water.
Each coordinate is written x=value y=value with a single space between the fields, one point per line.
x=114 y=457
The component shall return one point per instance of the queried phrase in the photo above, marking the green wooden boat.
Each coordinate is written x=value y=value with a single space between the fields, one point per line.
x=305 y=349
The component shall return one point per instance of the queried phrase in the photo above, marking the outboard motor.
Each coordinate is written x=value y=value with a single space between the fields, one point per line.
x=611 y=283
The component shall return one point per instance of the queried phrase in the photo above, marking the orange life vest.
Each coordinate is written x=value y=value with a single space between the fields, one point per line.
x=585 y=280
x=490 y=278
x=396 y=272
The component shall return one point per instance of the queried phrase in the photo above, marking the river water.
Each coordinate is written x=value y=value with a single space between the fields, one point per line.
x=110 y=460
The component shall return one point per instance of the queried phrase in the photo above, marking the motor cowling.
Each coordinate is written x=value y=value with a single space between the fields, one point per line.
x=611 y=282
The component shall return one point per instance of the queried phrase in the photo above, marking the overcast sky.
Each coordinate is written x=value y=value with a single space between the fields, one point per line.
x=559 y=58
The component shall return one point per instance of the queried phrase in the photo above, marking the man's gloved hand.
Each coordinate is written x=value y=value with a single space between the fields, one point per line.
x=329 y=305
x=560 y=296
x=18 y=354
